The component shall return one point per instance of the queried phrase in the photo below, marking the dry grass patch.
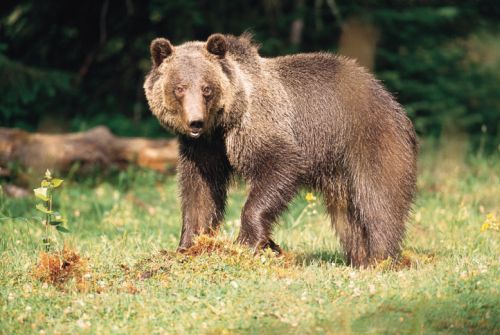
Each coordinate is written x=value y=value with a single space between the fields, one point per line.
x=57 y=268
x=409 y=259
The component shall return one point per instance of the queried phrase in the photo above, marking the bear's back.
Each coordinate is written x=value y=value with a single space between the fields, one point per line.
x=324 y=84
x=330 y=97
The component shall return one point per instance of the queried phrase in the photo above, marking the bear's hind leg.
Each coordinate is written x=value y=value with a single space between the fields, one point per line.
x=368 y=221
x=378 y=234
x=380 y=176
x=353 y=237
x=378 y=205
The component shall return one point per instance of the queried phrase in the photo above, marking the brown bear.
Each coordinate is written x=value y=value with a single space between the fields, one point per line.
x=314 y=120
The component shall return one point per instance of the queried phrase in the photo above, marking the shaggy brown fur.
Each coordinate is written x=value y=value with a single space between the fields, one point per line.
x=308 y=120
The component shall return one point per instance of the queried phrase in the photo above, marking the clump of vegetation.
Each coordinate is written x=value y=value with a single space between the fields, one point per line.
x=55 y=267
x=209 y=252
x=491 y=223
x=205 y=244
x=51 y=217
x=408 y=259
x=58 y=268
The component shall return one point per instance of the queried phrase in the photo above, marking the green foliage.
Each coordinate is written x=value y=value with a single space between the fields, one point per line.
x=51 y=217
x=26 y=93
x=440 y=58
x=137 y=284
x=429 y=59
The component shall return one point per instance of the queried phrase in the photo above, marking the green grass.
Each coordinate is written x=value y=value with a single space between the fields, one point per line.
x=123 y=222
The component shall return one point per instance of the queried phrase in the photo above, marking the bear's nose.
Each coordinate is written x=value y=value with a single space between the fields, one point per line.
x=196 y=126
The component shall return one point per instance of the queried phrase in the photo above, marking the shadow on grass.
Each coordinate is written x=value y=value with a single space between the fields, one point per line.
x=410 y=258
x=321 y=257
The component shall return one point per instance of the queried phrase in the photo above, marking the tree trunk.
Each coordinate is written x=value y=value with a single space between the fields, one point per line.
x=359 y=41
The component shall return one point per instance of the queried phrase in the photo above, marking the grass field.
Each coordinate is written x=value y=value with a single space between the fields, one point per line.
x=122 y=225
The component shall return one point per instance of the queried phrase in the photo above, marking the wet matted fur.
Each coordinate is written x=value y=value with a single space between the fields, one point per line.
x=307 y=120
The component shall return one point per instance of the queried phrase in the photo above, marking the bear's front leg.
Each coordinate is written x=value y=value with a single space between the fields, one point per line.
x=204 y=174
x=270 y=193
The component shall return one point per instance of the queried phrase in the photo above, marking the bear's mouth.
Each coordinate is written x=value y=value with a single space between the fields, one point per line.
x=195 y=128
x=195 y=133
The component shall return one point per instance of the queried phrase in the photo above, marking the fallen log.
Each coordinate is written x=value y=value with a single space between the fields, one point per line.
x=96 y=147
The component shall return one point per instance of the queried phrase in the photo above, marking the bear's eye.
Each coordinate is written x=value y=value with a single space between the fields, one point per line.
x=207 y=91
x=179 y=91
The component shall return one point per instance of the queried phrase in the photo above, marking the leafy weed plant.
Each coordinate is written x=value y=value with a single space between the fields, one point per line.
x=51 y=217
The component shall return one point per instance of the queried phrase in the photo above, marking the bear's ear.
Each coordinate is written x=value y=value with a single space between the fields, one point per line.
x=217 y=45
x=160 y=49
